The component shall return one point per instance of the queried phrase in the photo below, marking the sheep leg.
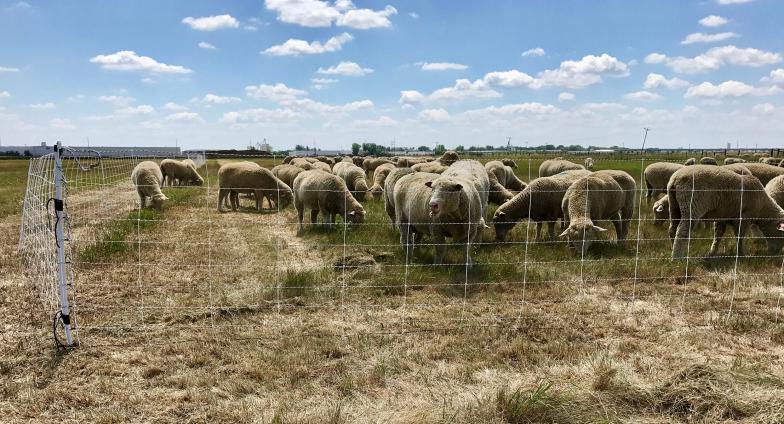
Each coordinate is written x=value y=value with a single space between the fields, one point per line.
x=234 y=198
x=538 y=231
x=718 y=232
x=222 y=198
x=740 y=231
x=620 y=235
x=314 y=216
x=681 y=236
x=300 y=213
x=551 y=229
x=259 y=199
x=142 y=200
x=405 y=237
x=440 y=242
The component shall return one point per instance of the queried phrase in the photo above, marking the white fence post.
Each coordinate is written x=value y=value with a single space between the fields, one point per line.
x=59 y=178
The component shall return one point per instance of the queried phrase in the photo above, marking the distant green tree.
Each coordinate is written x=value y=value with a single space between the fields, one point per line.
x=423 y=149
x=439 y=150
x=355 y=148
x=460 y=149
x=301 y=147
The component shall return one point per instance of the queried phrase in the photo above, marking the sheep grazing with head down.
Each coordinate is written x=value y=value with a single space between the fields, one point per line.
x=762 y=171
x=556 y=166
x=389 y=191
x=189 y=162
x=358 y=160
x=354 y=177
x=406 y=162
x=730 y=161
x=505 y=175
x=656 y=176
x=540 y=201
x=589 y=164
x=708 y=161
x=147 y=178
x=410 y=195
x=509 y=162
x=302 y=163
x=690 y=161
x=249 y=177
x=717 y=194
x=370 y=164
x=321 y=165
x=498 y=194
x=379 y=176
x=287 y=159
x=770 y=161
x=287 y=173
x=177 y=173
x=434 y=167
x=325 y=193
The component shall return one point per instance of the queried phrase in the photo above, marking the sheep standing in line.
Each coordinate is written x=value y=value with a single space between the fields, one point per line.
x=505 y=175
x=551 y=167
x=690 y=161
x=354 y=177
x=389 y=191
x=412 y=216
x=325 y=193
x=592 y=198
x=775 y=189
x=708 y=161
x=509 y=162
x=287 y=173
x=718 y=194
x=379 y=176
x=589 y=164
x=762 y=171
x=147 y=178
x=176 y=173
x=656 y=176
x=540 y=201
x=730 y=161
x=249 y=177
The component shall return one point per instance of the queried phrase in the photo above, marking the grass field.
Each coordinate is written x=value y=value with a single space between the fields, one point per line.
x=193 y=315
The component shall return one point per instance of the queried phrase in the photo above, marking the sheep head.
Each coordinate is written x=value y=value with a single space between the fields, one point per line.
x=580 y=235
x=445 y=198
x=376 y=191
x=284 y=198
x=502 y=224
x=158 y=200
x=356 y=215
x=660 y=212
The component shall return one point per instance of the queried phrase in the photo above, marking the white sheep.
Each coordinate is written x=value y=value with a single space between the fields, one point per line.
x=770 y=161
x=354 y=177
x=177 y=173
x=656 y=176
x=555 y=166
x=434 y=167
x=389 y=190
x=321 y=165
x=326 y=193
x=775 y=189
x=379 y=176
x=405 y=162
x=147 y=178
x=589 y=164
x=509 y=162
x=717 y=194
x=690 y=161
x=370 y=164
x=505 y=175
x=412 y=216
x=540 y=201
x=498 y=194
x=287 y=173
x=762 y=171
x=249 y=177
x=730 y=161
x=708 y=161
x=302 y=163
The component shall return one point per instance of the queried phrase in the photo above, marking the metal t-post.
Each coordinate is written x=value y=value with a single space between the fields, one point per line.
x=59 y=178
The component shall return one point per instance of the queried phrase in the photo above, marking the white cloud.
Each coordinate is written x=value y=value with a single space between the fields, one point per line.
x=127 y=60
x=317 y=13
x=717 y=57
x=763 y=109
x=713 y=21
x=8 y=69
x=583 y=72
x=776 y=77
x=174 y=107
x=136 y=110
x=725 y=89
x=443 y=66
x=277 y=93
x=350 y=69
x=211 y=23
x=381 y=121
x=565 y=97
x=4 y=94
x=62 y=124
x=658 y=80
x=323 y=80
x=537 y=51
x=294 y=47
x=414 y=15
x=700 y=37
x=259 y=115
x=726 y=2
x=642 y=96
x=513 y=78
x=42 y=106
x=117 y=101
x=465 y=89
x=510 y=110
x=184 y=117
x=655 y=58
x=20 y=5
x=207 y=46
x=309 y=105
x=214 y=99
x=433 y=115
x=407 y=97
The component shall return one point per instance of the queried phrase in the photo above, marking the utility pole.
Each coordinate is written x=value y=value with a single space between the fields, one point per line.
x=644 y=138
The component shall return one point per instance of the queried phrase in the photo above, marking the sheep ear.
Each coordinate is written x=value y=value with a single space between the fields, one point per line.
x=780 y=227
x=564 y=234
x=352 y=213
x=599 y=229
x=458 y=187
x=429 y=184
x=659 y=208
x=500 y=214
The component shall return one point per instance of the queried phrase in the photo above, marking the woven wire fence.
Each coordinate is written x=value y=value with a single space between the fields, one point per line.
x=190 y=271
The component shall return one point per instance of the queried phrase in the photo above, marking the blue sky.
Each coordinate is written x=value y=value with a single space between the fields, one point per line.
x=222 y=74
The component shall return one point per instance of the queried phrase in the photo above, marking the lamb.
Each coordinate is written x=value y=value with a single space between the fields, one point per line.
x=775 y=189
x=410 y=195
x=177 y=173
x=591 y=198
x=589 y=164
x=730 y=161
x=762 y=171
x=690 y=161
x=287 y=173
x=457 y=205
x=379 y=176
x=540 y=201
x=708 y=161
x=656 y=176
x=354 y=177
x=554 y=166
x=434 y=167
x=509 y=162
x=505 y=175
x=327 y=193
x=389 y=189
x=718 y=194
x=147 y=177
x=370 y=164
x=302 y=163
x=249 y=177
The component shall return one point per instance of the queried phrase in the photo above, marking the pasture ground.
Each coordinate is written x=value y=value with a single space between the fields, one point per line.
x=235 y=317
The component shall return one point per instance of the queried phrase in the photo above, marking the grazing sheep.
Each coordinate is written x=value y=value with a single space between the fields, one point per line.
x=370 y=164
x=406 y=162
x=498 y=194
x=509 y=162
x=287 y=173
x=592 y=198
x=718 y=194
x=357 y=160
x=540 y=201
x=771 y=161
x=551 y=167
x=328 y=161
x=389 y=191
x=434 y=167
x=411 y=195
x=176 y=173
x=656 y=176
x=505 y=175
x=326 y=193
x=287 y=160
x=762 y=171
x=775 y=189
x=690 y=161
x=449 y=157
x=189 y=162
x=249 y=177
x=302 y=163
x=661 y=210
x=458 y=204
x=321 y=165
x=708 y=161
x=147 y=177
x=354 y=177
x=730 y=161
x=589 y=164
x=379 y=176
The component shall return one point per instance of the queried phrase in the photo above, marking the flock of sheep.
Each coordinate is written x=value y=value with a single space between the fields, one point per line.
x=448 y=197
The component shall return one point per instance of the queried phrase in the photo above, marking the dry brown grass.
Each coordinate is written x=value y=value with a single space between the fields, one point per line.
x=234 y=318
